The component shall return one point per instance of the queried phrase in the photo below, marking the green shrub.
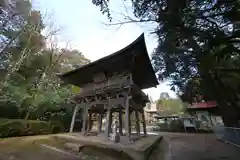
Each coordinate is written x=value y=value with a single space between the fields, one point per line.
x=12 y=129
x=37 y=127
x=9 y=109
x=56 y=127
x=18 y=127
x=3 y=121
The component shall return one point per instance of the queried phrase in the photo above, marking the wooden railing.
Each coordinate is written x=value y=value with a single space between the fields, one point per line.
x=112 y=83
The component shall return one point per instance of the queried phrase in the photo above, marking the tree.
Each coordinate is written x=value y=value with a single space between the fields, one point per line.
x=193 y=92
x=29 y=81
x=27 y=41
x=196 y=40
x=164 y=95
x=71 y=59
x=19 y=28
x=13 y=17
x=170 y=106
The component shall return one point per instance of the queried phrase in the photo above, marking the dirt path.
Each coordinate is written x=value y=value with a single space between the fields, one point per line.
x=200 y=147
x=30 y=148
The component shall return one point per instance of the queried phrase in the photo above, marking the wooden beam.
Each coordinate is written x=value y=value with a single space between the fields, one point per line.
x=89 y=121
x=116 y=82
x=137 y=123
x=144 y=122
x=120 y=120
x=81 y=96
x=127 y=118
x=108 y=123
x=73 y=119
x=84 y=115
x=100 y=117
x=108 y=103
x=116 y=101
x=136 y=105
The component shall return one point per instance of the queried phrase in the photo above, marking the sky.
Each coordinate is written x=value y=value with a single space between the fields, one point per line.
x=83 y=27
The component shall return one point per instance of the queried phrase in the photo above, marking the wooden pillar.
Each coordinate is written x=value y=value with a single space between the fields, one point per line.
x=120 y=120
x=100 y=117
x=127 y=118
x=89 y=121
x=137 y=122
x=85 y=115
x=73 y=119
x=109 y=122
x=210 y=118
x=144 y=122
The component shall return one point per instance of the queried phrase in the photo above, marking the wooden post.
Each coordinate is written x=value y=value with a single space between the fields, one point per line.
x=110 y=121
x=144 y=122
x=127 y=118
x=73 y=119
x=210 y=118
x=137 y=122
x=120 y=120
x=100 y=116
x=85 y=115
x=89 y=121
x=108 y=125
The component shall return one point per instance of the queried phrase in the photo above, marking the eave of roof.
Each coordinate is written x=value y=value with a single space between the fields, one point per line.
x=138 y=41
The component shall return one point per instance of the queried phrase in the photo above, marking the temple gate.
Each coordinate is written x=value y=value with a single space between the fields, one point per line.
x=114 y=84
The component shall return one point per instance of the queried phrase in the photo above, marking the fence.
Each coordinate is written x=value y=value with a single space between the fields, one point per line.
x=228 y=134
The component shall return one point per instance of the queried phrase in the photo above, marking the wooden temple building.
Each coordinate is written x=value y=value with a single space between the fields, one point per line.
x=114 y=84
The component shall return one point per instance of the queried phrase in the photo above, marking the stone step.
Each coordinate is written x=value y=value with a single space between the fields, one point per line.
x=75 y=147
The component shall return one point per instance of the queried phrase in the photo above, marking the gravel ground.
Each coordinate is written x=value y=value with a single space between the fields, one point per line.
x=199 y=147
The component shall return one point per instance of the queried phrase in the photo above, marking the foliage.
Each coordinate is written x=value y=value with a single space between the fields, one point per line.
x=8 y=109
x=13 y=20
x=29 y=62
x=197 y=40
x=56 y=127
x=170 y=106
x=72 y=59
x=19 y=127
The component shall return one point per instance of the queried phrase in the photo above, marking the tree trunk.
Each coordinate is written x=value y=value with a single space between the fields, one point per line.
x=230 y=96
x=230 y=117
x=27 y=115
x=229 y=110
